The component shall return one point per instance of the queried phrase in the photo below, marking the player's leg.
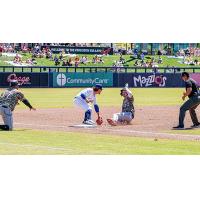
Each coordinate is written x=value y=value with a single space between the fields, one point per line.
x=193 y=116
x=86 y=107
x=186 y=106
x=3 y=126
x=125 y=117
x=113 y=121
x=7 y=119
x=121 y=118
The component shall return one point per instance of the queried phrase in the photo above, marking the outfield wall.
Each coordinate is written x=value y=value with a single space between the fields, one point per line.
x=107 y=79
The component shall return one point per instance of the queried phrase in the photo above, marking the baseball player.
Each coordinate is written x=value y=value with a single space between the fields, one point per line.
x=8 y=100
x=193 y=93
x=85 y=98
x=127 y=114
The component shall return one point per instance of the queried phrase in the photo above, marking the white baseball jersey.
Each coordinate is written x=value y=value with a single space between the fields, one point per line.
x=89 y=95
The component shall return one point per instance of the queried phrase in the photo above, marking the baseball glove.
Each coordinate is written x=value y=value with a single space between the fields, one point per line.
x=99 y=121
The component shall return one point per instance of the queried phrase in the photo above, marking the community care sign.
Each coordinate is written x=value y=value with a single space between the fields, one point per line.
x=82 y=79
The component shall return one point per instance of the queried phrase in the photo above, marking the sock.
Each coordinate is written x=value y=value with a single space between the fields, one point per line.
x=87 y=115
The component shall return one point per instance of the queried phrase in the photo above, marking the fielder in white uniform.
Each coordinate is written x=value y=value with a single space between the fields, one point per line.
x=85 y=98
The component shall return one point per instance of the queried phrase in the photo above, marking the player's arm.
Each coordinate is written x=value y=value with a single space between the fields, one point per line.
x=187 y=93
x=130 y=95
x=83 y=96
x=96 y=107
x=27 y=103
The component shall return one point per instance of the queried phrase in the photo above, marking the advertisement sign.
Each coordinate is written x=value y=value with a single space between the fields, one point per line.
x=82 y=79
x=148 y=80
x=25 y=79
x=196 y=77
x=81 y=50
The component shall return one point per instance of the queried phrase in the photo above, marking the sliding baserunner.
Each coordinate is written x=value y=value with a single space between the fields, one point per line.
x=128 y=111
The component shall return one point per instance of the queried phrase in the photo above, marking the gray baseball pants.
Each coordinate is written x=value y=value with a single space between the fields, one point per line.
x=123 y=117
x=7 y=116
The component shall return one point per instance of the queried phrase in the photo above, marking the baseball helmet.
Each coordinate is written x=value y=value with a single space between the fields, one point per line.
x=98 y=86
x=14 y=83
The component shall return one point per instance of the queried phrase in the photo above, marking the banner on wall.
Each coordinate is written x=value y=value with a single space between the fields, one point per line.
x=196 y=77
x=82 y=79
x=148 y=80
x=81 y=50
x=25 y=79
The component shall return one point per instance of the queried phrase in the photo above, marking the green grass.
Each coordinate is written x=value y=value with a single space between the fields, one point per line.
x=51 y=142
x=108 y=61
x=43 y=142
x=63 y=97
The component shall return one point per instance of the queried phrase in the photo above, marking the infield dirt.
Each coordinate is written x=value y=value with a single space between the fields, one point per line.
x=149 y=121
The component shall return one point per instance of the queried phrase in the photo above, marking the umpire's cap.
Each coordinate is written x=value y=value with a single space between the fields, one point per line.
x=185 y=74
x=14 y=83
x=98 y=86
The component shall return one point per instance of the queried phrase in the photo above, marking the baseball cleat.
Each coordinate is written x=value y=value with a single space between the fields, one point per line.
x=178 y=127
x=89 y=122
x=195 y=126
x=111 y=122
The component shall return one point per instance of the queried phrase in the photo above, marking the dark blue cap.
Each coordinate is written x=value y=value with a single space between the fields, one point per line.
x=99 y=86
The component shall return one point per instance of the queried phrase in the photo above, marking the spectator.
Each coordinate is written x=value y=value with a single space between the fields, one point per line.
x=121 y=59
x=187 y=52
x=136 y=63
x=142 y=56
x=70 y=62
x=101 y=60
x=1 y=50
x=61 y=56
x=56 y=60
x=17 y=59
x=83 y=60
x=159 y=52
x=160 y=60
x=49 y=54
x=77 y=61
x=196 y=62
x=94 y=59
x=65 y=63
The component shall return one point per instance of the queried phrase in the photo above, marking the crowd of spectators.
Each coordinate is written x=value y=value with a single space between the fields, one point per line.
x=190 y=56
x=7 y=48
x=151 y=63
x=189 y=52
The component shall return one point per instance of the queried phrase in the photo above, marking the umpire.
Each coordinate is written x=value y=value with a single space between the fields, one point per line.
x=192 y=91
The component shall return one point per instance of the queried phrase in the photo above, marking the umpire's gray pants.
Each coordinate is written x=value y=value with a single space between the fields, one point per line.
x=6 y=114
x=191 y=104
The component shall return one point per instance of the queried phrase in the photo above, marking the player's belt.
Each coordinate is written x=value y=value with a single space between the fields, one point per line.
x=4 y=106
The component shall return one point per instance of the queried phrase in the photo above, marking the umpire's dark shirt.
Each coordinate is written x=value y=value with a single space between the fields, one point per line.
x=190 y=83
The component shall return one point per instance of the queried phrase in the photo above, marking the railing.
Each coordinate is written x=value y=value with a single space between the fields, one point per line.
x=97 y=69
